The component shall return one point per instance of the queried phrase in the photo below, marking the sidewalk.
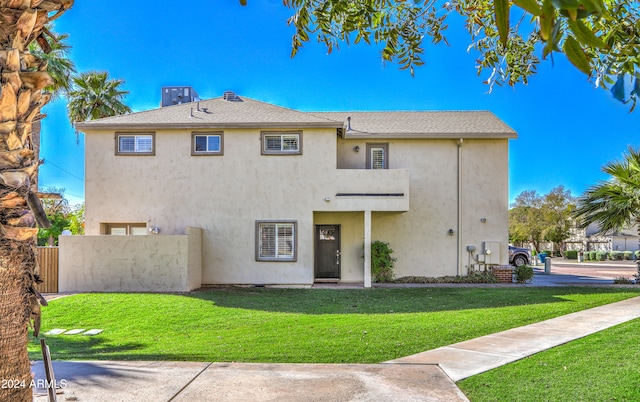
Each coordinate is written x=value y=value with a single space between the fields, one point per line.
x=427 y=376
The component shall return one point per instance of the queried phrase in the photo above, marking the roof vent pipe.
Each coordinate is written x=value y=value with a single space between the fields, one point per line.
x=348 y=123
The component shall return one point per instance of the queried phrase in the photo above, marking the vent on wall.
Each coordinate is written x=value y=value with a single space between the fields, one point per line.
x=231 y=97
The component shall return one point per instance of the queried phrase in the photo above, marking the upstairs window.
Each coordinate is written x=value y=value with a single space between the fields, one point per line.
x=377 y=156
x=276 y=241
x=206 y=143
x=281 y=143
x=135 y=144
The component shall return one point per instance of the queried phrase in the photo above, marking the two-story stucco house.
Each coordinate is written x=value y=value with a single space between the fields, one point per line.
x=282 y=197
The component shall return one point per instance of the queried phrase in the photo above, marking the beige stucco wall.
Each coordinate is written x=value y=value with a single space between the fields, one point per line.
x=225 y=195
x=152 y=263
x=420 y=237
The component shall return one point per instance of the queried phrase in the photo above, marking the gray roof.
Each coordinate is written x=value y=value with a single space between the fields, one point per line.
x=246 y=112
x=432 y=124
x=215 y=112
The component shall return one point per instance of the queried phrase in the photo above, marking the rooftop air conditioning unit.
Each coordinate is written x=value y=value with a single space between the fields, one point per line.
x=178 y=95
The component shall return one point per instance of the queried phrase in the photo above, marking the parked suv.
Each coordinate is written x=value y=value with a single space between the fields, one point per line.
x=519 y=256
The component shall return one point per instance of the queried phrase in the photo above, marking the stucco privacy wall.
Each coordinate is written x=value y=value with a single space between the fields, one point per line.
x=153 y=263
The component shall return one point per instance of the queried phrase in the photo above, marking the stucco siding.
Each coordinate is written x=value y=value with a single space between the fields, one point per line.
x=420 y=237
x=130 y=263
x=226 y=194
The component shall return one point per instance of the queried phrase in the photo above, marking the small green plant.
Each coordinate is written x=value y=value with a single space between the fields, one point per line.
x=601 y=255
x=382 y=262
x=524 y=273
x=628 y=255
x=571 y=254
x=592 y=255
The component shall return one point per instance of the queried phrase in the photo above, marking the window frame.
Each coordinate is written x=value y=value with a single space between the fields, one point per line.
x=118 y=135
x=106 y=228
x=281 y=134
x=294 y=249
x=195 y=134
x=374 y=145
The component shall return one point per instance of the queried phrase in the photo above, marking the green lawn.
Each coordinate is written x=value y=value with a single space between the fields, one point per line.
x=599 y=367
x=300 y=325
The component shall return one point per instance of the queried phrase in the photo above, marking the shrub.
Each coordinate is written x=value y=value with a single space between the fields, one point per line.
x=549 y=253
x=601 y=255
x=628 y=255
x=473 y=277
x=592 y=255
x=524 y=273
x=616 y=255
x=382 y=262
x=571 y=254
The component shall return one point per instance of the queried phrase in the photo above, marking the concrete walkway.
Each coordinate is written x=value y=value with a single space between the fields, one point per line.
x=427 y=376
x=468 y=358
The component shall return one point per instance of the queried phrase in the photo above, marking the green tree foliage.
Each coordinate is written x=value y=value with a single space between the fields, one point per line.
x=59 y=66
x=599 y=37
x=94 y=96
x=535 y=218
x=525 y=224
x=62 y=217
x=557 y=207
x=613 y=204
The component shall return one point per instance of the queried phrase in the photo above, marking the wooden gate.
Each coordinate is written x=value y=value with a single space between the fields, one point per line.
x=48 y=262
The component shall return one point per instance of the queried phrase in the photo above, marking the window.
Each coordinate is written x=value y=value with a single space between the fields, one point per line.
x=282 y=143
x=124 y=229
x=377 y=156
x=276 y=241
x=206 y=143
x=135 y=144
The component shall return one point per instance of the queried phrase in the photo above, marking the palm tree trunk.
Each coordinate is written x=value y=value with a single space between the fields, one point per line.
x=21 y=98
x=15 y=368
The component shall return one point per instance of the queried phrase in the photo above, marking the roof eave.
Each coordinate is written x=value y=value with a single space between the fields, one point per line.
x=485 y=136
x=197 y=125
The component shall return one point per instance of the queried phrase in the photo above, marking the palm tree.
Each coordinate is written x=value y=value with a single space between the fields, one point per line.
x=59 y=66
x=61 y=69
x=615 y=203
x=24 y=77
x=94 y=96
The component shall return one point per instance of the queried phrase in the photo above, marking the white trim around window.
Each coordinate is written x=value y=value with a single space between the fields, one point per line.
x=135 y=143
x=281 y=142
x=207 y=143
x=276 y=241
x=377 y=156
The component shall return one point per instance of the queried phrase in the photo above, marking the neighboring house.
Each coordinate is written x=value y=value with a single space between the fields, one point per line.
x=274 y=196
x=591 y=239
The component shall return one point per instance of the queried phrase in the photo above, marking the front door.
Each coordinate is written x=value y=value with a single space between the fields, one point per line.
x=327 y=252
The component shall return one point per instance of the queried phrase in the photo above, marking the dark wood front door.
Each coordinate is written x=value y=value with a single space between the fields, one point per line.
x=327 y=252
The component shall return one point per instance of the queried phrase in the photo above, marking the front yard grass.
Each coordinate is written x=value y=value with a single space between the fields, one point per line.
x=599 y=367
x=299 y=325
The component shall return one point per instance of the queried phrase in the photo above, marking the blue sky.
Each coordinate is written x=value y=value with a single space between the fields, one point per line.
x=567 y=129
